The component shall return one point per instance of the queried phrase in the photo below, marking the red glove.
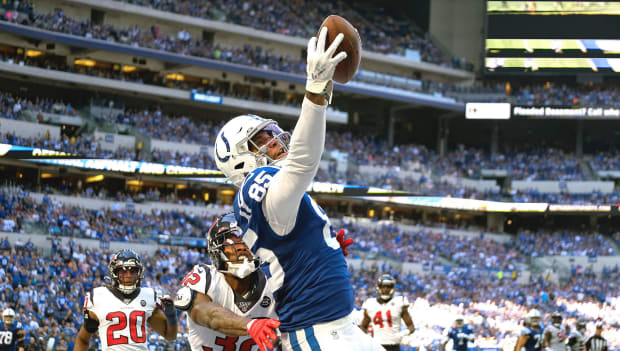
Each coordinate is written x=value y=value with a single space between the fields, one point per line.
x=343 y=243
x=261 y=331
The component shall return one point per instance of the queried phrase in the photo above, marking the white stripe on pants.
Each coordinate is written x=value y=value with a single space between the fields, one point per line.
x=338 y=335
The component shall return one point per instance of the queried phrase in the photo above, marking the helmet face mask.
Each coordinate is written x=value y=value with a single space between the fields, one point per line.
x=458 y=322
x=229 y=254
x=126 y=271
x=8 y=317
x=385 y=287
x=234 y=145
x=533 y=318
x=581 y=325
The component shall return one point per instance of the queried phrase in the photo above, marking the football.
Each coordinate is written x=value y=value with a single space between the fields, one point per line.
x=351 y=44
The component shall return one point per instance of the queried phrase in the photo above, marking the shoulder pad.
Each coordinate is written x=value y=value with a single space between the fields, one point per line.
x=184 y=298
x=261 y=177
x=151 y=294
x=404 y=300
x=366 y=304
x=88 y=301
x=198 y=279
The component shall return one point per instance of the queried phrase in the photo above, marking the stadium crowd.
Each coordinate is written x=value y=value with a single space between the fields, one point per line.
x=117 y=223
x=497 y=305
x=428 y=244
x=528 y=94
x=382 y=31
x=521 y=163
x=21 y=213
x=35 y=282
x=564 y=95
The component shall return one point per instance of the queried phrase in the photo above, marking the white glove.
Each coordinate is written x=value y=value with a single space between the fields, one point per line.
x=321 y=65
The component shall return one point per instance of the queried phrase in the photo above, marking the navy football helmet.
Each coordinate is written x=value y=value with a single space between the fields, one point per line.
x=229 y=254
x=385 y=280
x=127 y=260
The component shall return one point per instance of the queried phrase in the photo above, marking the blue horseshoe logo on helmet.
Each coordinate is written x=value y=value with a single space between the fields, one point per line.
x=223 y=159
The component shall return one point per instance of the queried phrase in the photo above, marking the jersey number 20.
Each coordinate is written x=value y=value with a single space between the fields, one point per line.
x=137 y=327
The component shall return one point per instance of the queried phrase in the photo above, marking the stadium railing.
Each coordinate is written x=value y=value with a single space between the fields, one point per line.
x=424 y=99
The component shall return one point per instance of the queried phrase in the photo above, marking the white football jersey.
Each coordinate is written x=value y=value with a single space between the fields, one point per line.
x=385 y=318
x=558 y=338
x=122 y=322
x=259 y=303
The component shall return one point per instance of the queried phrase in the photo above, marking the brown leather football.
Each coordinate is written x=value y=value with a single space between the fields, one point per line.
x=351 y=44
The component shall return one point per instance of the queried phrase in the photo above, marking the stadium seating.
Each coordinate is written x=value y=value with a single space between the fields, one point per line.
x=547 y=175
x=57 y=230
x=52 y=309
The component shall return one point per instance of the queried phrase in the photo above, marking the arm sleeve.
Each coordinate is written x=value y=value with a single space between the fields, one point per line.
x=89 y=304
x=289 y=185
x=571 y=341
x=470 y=333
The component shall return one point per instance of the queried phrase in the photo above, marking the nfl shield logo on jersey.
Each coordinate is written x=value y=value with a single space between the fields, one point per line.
x=266 y=302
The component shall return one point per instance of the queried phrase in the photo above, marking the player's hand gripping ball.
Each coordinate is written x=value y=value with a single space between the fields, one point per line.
x=351 y=44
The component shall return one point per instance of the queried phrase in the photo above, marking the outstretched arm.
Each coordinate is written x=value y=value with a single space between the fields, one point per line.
x=307 y=141
x=209 y=314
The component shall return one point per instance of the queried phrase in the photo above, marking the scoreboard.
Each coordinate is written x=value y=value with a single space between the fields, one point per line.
x=563 y=37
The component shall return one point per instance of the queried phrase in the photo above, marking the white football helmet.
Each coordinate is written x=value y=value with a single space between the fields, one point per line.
x=232 y=146
x=533 y=317
x=459 y=321
x=8 y=317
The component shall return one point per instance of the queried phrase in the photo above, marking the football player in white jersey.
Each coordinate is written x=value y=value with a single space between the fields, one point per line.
x=120 y=311
x=229 y=303
x=385 y=312
x=217 y=298
x=577 y=339
x=554 y=336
